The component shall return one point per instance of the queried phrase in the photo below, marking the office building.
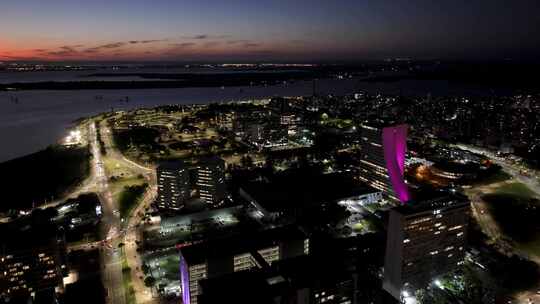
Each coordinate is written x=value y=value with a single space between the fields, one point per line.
x=292 y=281
x=211 y=180
x=425 y=239
x=382 y=159
x=32 y=260
x=173 y=185
x=290 y=122
x=254 y=249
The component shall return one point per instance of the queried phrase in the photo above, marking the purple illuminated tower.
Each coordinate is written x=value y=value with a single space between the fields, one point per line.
x=184 y=280
x=382 y=160
x=395 y=146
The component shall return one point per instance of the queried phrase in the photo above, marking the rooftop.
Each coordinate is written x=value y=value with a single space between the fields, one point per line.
x=29 y=233
x=211 y=160
x=239 y=243
x=433 y=200
x=171 y=165
x=253 y=286
x=301 y=188
x=262 y=285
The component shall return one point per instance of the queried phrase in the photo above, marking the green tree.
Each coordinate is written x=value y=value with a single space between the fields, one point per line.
x=145 y=268
x=149 y=281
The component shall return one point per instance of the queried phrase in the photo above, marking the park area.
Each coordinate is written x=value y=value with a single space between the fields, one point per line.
x=127 y=186
x=168 y=135
x=162 y=272
x=49 y=174
x=516 y=209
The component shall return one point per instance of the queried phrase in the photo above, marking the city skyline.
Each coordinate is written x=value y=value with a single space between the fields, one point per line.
x=269 y=151
x=266 y=30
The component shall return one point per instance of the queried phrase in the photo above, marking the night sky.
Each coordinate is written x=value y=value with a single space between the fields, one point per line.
x=299 y=30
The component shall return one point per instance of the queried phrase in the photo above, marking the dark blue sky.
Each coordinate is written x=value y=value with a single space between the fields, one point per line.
x=268 y=30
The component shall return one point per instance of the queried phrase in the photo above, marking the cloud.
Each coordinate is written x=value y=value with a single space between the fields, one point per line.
x=119 y=44
x=263 y=52
x=205 y=36
x=251 y=44
x=113 y=45
x=244 y=43
x=146 y=41
x=211 y=44
x=68 y=48
x=21 y=58
x=237 y=41
x=183 y=44
x=297 y=41
x=66 y=51
x=108 y=46
x=91 y=51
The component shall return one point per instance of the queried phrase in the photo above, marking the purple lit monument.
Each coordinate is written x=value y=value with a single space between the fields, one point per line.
x=184 y=278
x=395 y=146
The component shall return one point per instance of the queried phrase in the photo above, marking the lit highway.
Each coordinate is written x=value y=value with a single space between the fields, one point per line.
x=109 y=227
x=129 y=233
x=532 y=181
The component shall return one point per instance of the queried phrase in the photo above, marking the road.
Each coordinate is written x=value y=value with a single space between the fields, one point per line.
x=142 y=293
x=132 y=232
x=531 y=181
x=110 y=225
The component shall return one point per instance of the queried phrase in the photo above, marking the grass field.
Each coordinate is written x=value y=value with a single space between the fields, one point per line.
x=123 y=183
x=129 y=197
x=118 y=186
x=126 y=281
x=497 y=177
x=171 y=266
x=129 y=292
x=48 y=174
x=516 y=209
x=517 y=190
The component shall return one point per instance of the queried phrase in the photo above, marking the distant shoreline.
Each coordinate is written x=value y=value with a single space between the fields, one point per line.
x=183 y=80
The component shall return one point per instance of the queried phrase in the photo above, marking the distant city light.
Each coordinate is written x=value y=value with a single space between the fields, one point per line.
x=74 y=138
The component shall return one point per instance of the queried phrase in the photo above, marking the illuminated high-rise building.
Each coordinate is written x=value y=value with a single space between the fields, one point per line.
x=173 y=185
x=382 y=159
x=425 y=239
x=211 y=180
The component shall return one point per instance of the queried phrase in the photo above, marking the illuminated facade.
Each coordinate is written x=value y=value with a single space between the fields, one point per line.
x=290 y=122
x=211 y=180
x=291 y=281
x=425 y=239
x=382 y=161
x=173 y=185
x=204 y=260
x=25 y=270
